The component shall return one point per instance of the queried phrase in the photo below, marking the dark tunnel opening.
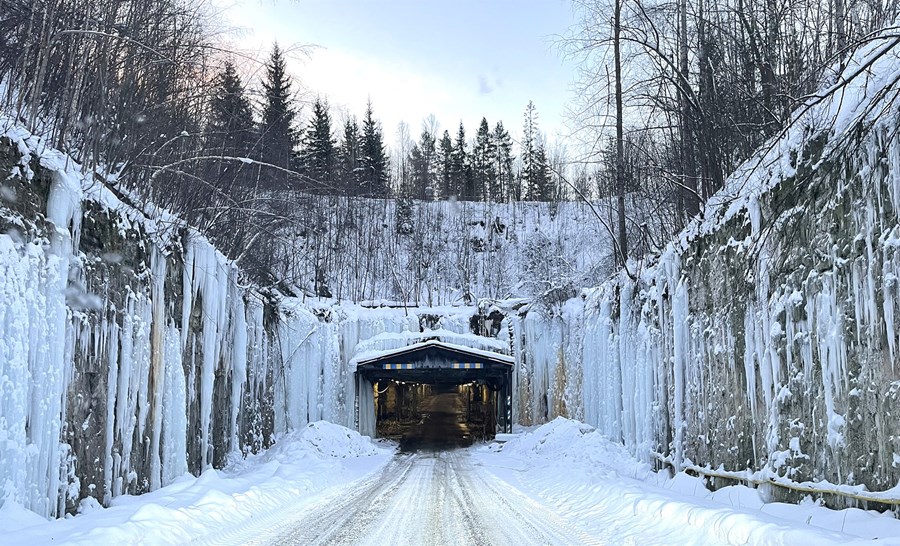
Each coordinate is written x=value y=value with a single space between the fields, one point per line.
x=436 y=416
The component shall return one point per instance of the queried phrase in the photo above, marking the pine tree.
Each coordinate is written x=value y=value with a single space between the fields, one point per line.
x=230 y=131
x=374 y=162
x=504 y=163
x=319 y=157
x=278 y=136
x=349 y=156
x=445 y=165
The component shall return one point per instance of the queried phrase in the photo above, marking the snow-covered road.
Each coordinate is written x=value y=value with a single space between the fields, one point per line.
x=423 y=498
x=560 y=483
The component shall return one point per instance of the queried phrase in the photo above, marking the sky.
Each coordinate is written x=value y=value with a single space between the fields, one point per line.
x=459 y=60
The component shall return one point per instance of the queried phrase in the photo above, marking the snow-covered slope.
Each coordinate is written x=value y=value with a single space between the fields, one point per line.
x=765 y=337
x=450 y=252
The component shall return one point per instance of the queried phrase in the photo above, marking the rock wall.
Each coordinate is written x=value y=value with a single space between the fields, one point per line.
x=766 y=337
x=131 y=351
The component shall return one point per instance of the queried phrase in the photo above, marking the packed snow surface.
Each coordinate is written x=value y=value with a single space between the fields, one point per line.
x=597 y=485
x=560 y=483
x=301 y=465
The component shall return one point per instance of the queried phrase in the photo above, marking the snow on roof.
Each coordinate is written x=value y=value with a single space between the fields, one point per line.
x=368 y=356
x=394 y=340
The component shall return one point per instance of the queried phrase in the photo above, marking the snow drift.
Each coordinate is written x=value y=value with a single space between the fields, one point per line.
x=596 y=484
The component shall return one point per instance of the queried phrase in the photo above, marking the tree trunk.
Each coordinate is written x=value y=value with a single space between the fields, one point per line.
x=622 y=254
x=688 y=167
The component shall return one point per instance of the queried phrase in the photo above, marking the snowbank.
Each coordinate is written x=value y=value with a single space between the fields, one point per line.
x=572 y=442
x=300 y=466
x=596 y=484
x=319 y=439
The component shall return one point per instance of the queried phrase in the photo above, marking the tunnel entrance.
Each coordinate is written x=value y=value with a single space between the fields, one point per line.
x=439 y=416
x=435 y=395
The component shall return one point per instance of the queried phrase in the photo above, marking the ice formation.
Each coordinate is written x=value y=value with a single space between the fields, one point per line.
x=764 y=338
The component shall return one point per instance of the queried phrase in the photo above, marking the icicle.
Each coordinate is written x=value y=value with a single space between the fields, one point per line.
x=679 y=361
x=174 y=404
x=111 y=331
x=158 y=354
x=238 y=363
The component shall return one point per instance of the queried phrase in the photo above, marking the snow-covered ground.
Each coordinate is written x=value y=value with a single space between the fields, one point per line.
x=595 y=484
x=560 y=483
x=302 y=466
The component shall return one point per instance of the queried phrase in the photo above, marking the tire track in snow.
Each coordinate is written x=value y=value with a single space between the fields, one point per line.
x=428 y=499
x=268 y=528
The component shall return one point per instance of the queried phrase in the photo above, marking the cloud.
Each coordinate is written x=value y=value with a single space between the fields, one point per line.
x=484 y=87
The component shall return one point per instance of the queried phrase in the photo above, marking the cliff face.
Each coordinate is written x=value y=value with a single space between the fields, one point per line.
x=131 y=352
x=127 y=344
x=766 y=337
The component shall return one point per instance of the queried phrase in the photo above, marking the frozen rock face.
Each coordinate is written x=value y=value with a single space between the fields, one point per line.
x=766 y=337
x=126 y=347
x=131 y=352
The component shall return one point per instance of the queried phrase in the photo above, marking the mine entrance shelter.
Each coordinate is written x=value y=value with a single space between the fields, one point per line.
x=435 y=393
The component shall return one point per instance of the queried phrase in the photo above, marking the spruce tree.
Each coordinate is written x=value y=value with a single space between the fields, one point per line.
x=374 y=162
x=278 y=136
x=541 y=185
x=504 y=163
x=459 y=166
x=230 y=131
x=423 y=159
x=349 y=156
x=319 y=156
x=445 y=165
x=483 y=164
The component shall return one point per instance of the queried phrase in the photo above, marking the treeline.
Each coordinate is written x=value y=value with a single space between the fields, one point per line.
x=140 y=93
x=673 y=96
x=351 y=158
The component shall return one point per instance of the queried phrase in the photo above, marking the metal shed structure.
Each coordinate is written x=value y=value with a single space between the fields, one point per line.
x=435 y=362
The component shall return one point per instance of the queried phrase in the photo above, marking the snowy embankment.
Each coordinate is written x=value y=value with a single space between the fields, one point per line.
x=245 y=494
x=597 y=485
